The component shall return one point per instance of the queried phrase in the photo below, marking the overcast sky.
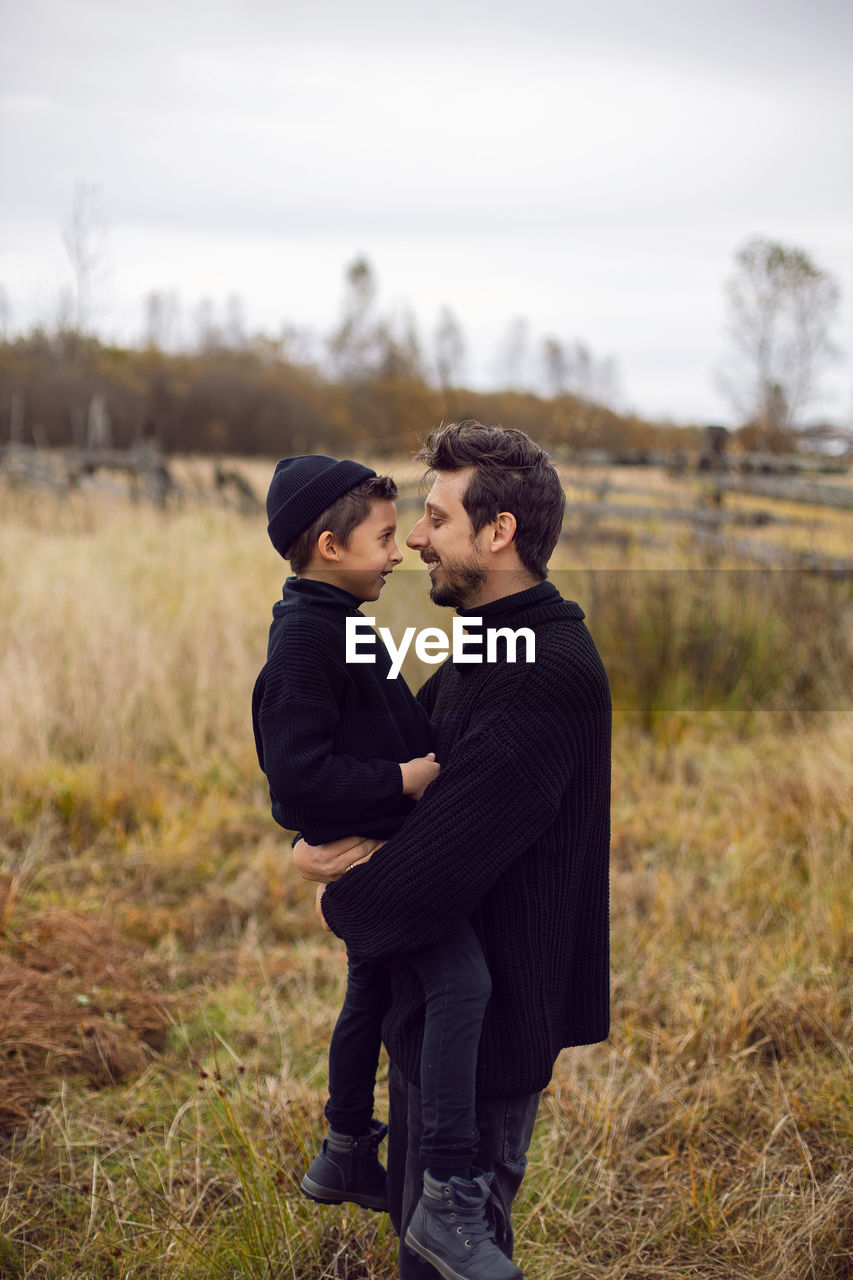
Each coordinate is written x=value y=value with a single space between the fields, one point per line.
x=591 y=168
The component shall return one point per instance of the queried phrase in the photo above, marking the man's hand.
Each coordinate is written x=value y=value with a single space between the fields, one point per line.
x=327 y=862
x=418 y=774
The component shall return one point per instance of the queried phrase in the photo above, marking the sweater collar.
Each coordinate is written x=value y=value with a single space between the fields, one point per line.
x=544 y=593
x=310 y=591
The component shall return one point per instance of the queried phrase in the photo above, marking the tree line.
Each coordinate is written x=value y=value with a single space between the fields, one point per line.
x=254 y=399
x=370 y=382
x=230 y=392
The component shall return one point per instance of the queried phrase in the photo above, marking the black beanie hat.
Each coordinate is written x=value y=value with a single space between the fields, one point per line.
x=301 y=490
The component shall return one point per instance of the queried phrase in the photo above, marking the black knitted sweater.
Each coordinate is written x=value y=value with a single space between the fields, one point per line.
x=330 y=734
x=513 y=834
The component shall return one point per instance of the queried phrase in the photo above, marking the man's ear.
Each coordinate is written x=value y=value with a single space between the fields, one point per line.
x=503 y=531
x=327 y=546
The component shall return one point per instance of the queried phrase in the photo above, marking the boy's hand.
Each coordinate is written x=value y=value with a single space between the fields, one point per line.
x=418 y=774
x=326 y=862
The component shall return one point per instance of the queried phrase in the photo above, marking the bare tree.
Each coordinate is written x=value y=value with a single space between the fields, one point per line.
x=511 y=362
x=235 y=321
x=84 y=236
x=609 y=383
x=556 y=368
x=208 y=332
x=573 y=367
x=583 y=363
x=354 y=344
x=5 y=312
x=450 y=350
x=398 y=346
x=781 y=308
x=161 y=310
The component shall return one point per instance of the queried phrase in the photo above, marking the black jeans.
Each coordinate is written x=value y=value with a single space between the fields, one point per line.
x=457 y=987
x=505 y=1126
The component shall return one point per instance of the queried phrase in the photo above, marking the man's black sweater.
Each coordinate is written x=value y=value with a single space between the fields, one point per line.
x=513 y=834
x=330 y=734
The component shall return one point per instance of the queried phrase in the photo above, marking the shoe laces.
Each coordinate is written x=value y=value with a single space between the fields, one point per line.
x=482 y=1217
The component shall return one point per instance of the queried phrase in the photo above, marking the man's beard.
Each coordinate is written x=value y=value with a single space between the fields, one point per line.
x=458 y=585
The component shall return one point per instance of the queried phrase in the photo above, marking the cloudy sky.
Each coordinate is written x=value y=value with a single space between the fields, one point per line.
x=590 y=168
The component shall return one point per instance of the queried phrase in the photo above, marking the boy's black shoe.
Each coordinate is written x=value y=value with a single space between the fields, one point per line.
x=451 y=1228
x=348 y=1169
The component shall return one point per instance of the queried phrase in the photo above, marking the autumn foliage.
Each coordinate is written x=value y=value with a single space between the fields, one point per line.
x=254 y=397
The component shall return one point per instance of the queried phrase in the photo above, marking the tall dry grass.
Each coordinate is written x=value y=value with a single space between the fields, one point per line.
x=166 y=1001
x=129 y=635
x=126 y=635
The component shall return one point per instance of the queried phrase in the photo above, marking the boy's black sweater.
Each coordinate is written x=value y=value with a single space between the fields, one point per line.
x=513 y=834
x=330 y=734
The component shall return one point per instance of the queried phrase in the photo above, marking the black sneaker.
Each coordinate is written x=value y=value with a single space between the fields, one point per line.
x=451 y=1229
x=348 y=1169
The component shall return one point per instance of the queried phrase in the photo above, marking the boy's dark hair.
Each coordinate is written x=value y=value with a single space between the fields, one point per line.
x=341 y=518
x=512 y=474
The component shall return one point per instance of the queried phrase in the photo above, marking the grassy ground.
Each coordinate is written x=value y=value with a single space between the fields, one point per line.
x=166 y=1000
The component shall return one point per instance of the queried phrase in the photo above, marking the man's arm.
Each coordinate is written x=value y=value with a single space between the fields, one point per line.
x=498 y=793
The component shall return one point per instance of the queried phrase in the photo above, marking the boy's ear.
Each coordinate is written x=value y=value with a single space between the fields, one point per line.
x=327 y=546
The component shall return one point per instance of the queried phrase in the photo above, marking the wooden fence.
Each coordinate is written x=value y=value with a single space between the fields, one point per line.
x=147 y=474
x=145 y=471
x=713 y=526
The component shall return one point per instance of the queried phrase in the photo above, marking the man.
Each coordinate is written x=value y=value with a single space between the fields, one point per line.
x=513 y=834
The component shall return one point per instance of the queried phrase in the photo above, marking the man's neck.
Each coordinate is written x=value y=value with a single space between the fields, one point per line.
x=501 y=583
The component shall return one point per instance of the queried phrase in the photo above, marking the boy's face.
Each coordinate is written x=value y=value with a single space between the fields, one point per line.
x=371 y=554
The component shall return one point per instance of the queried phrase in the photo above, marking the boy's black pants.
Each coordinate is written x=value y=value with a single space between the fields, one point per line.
x=457 y=986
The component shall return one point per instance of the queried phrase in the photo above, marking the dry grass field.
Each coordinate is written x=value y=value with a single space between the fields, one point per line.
x=166 y=999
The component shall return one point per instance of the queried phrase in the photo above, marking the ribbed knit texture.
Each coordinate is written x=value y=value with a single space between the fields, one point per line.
x=513 y=834
x=330 y=735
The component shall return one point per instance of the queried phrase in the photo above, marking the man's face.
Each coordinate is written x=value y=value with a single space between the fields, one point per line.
x=445 y=539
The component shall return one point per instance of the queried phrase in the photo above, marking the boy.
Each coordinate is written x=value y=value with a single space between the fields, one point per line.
x=343 y=747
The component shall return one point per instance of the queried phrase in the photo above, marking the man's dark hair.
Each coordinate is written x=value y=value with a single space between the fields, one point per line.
x=512 y=474
x=341 y=519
